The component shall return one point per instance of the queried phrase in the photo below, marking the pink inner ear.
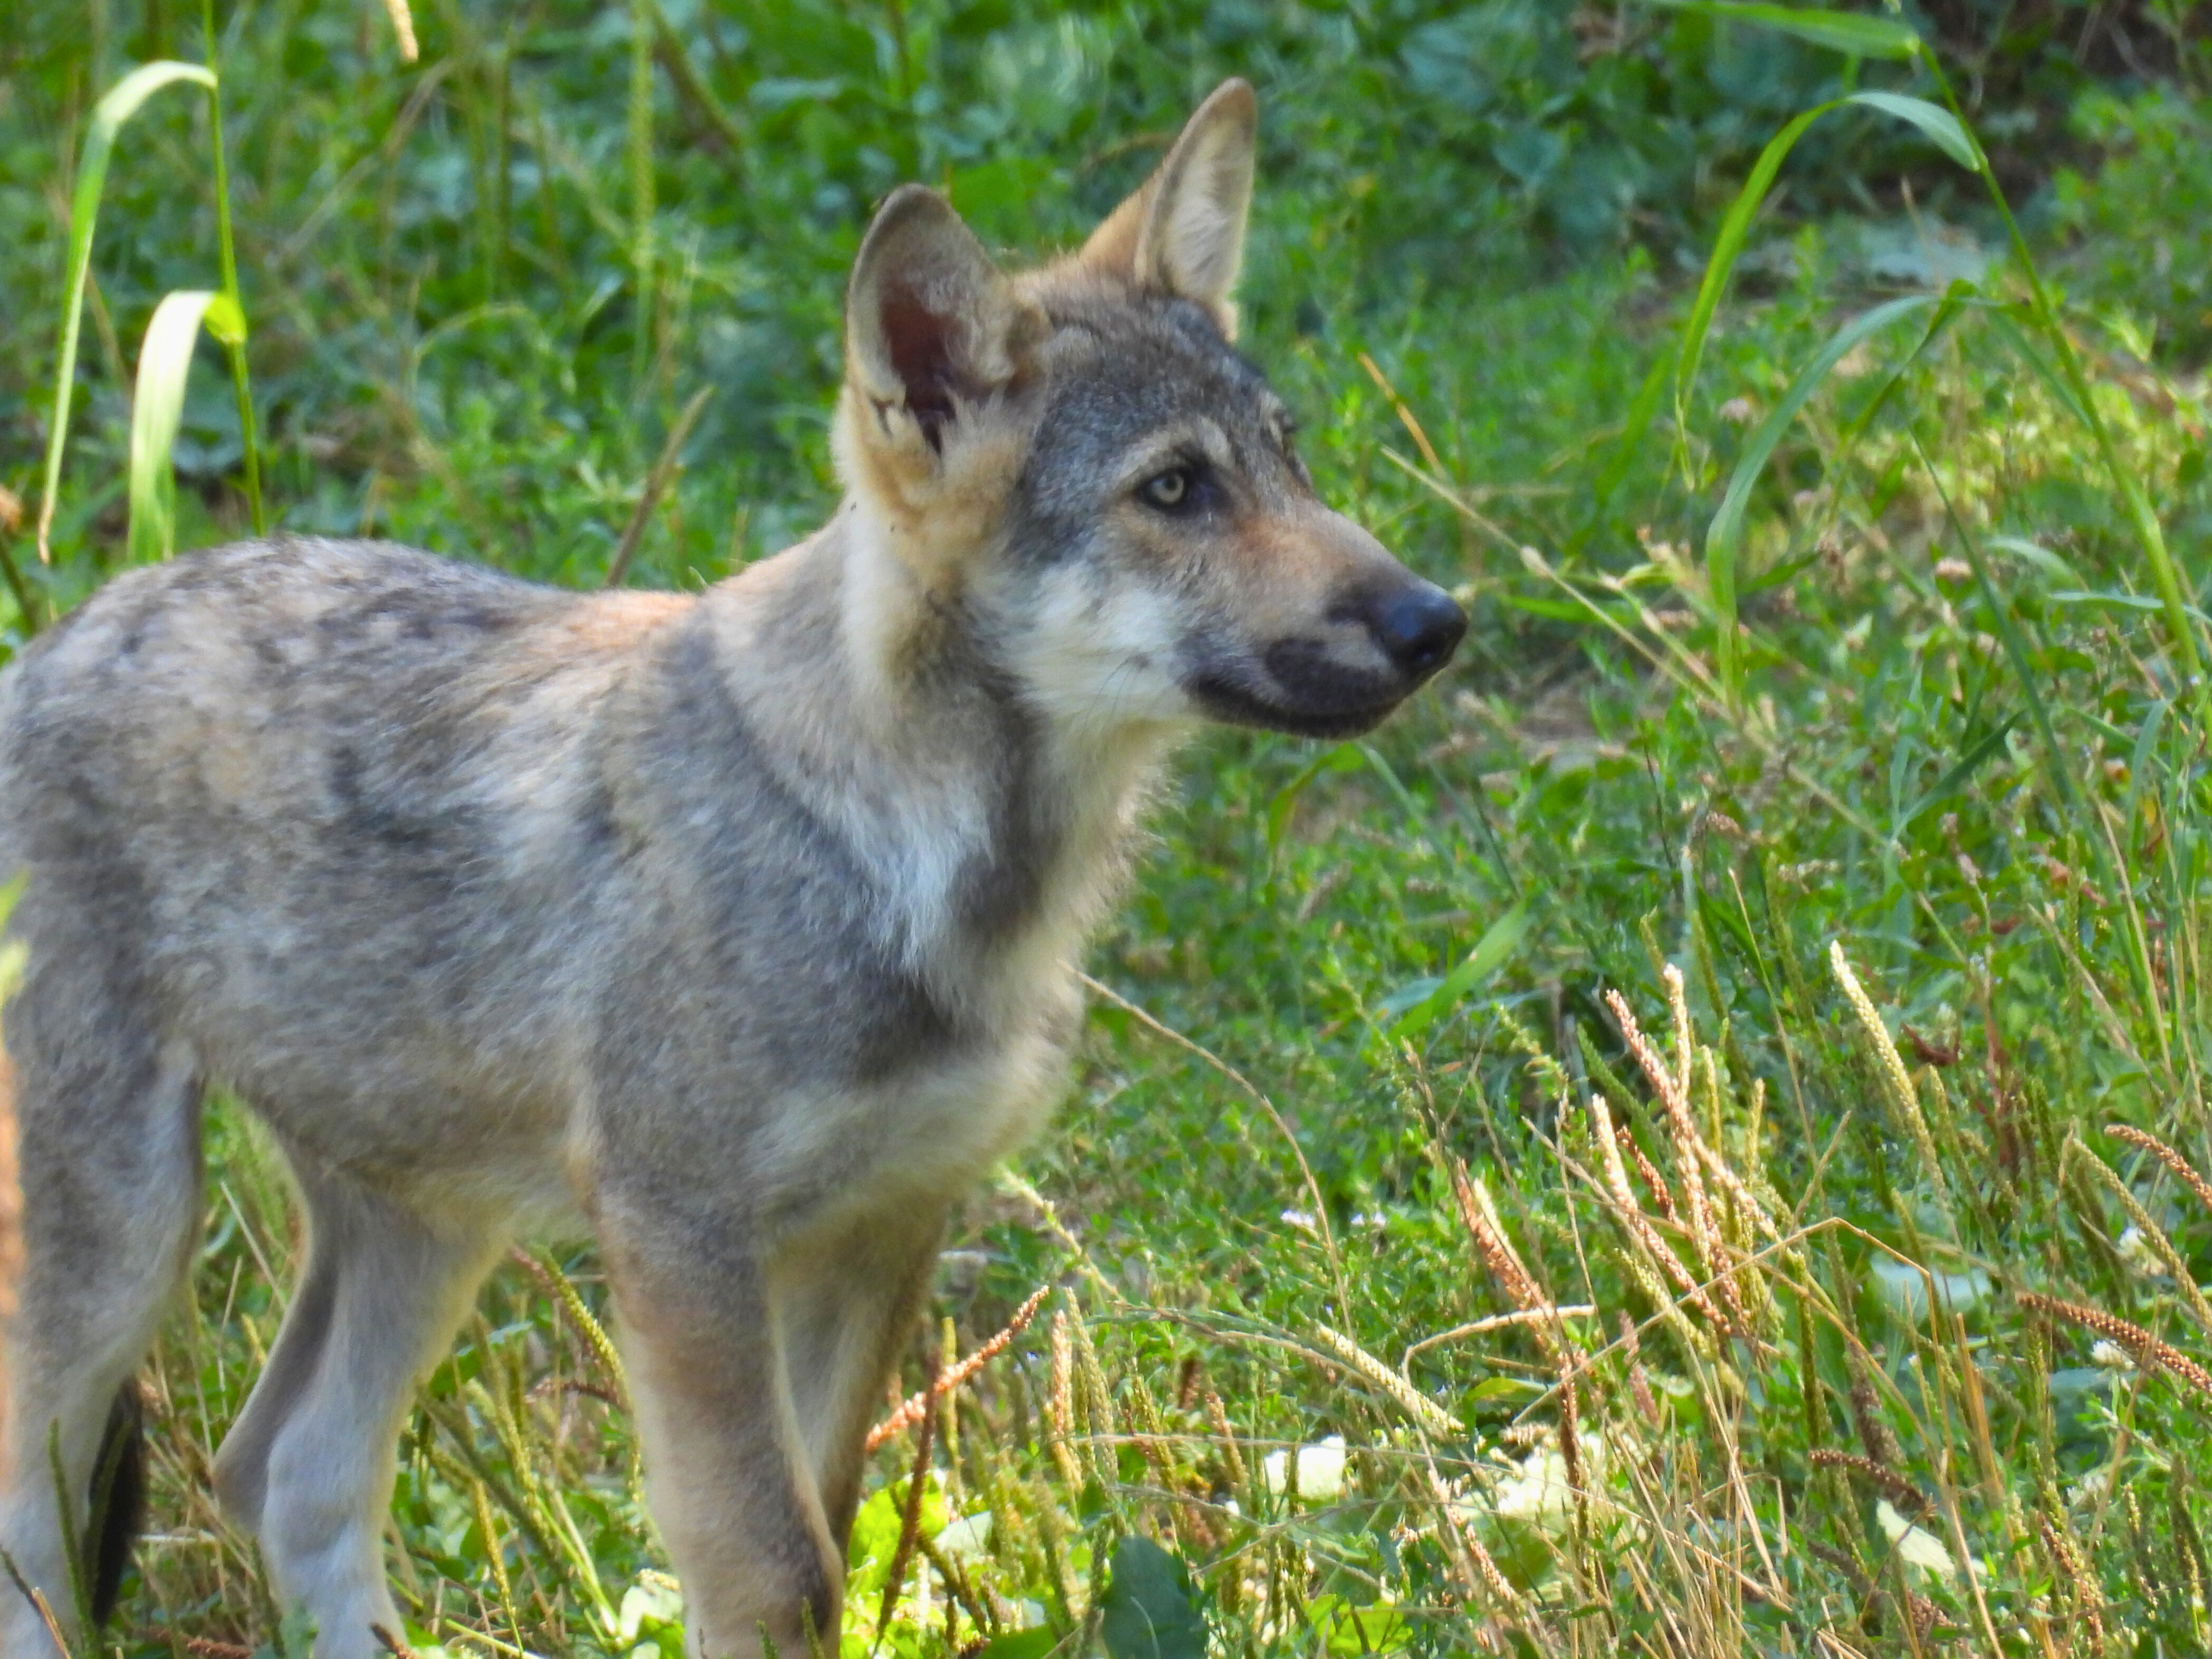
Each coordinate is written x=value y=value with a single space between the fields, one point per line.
x=920 y=345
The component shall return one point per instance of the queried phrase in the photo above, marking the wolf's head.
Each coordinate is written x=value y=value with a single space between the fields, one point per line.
x=1076 y=471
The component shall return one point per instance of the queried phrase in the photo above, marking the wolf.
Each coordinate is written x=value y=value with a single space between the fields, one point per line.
x=739 y=929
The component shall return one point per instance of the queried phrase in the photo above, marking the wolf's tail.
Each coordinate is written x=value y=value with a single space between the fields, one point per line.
x=117 y=1506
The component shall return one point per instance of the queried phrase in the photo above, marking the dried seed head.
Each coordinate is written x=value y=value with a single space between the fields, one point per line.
x=2150 y=1353
x=1893 y=1485
x=2182 y=1169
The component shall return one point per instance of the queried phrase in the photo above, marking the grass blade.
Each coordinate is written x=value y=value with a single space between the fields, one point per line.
x=1853 y=33
x=121 y=103
x=2143 y=515
x=1725 y=538
x=165 y=361
x=1948 y=132
x=1727 y=247
x=233 y=340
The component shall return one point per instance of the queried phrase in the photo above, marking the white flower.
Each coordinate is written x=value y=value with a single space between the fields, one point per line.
x=1915 y=1547
x=1299 y=1219
x=655 y=1595
x=2111 y=1356
x=2135 y=1249
x=1321 y=1470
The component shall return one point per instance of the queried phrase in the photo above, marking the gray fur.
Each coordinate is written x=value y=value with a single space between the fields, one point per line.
x=739 y=929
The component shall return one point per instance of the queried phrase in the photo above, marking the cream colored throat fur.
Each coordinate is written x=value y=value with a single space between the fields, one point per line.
x=884 y=742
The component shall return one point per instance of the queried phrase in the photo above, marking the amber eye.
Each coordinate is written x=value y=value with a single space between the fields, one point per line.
x=1167 y=491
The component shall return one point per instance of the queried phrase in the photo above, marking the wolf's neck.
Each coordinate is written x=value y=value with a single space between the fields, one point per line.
x=994 y=837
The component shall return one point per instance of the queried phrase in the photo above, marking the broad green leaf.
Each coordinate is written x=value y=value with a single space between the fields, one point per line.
x=1149 y=1613
x=1500 y=1388
x=1350 y=1630
x=165 y=361
x=2050 y=564
x=1855 y=33
x=1725 y=538
x=120 y=103
x=1945 y=130
x=1489 y=955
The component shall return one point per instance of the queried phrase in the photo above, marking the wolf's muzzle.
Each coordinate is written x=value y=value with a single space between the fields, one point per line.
x=1306 y=685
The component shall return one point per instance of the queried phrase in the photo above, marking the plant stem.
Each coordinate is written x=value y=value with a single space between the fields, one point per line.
x=641 y=17
x=236 y=349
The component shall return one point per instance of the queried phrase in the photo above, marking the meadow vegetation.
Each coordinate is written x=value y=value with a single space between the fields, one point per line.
x=1692 y=1141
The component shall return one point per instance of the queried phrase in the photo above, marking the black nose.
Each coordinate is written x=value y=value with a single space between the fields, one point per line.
x=1417 y=627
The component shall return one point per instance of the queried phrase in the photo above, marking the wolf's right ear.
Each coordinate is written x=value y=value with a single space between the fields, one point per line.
x=930 y=322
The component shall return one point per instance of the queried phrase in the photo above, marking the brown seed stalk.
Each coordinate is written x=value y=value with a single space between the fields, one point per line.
x=914 y=1408
x=2150 y=1353
x=2182 y=1170
x=1907 y=1496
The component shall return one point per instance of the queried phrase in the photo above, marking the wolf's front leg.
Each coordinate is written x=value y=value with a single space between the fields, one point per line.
x=725 y=1466
x=845 y=1303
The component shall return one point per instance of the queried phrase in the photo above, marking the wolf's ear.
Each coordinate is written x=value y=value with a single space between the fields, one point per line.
x=930 y=323
x=1182 y=233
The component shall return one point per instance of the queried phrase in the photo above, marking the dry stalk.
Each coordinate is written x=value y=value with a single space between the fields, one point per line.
x=2068 y=1566
x=1904 y=1097
x=911 y=1410
x=1218 y=1415
x=402 y=27
x=1673 y=1093
x=1654 y=1182
x=1672 y=1089
x=910 y=1519
x=1485 y=1570
x=1639 y=1385
x=1481 y=1217
x=1059 y=1411
x=1881 y=1447
x=1396 y=1384
x=1640 y=1225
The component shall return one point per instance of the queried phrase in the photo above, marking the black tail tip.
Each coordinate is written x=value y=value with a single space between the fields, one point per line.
x=117 y=1509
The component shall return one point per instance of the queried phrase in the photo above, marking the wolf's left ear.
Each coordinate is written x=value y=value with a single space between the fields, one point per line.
x=930 y=322
x=1182 y=233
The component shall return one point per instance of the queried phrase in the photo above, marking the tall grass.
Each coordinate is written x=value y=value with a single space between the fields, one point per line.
x=1692 y=1143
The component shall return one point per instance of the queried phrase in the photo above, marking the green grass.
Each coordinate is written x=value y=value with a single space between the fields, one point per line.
x=1308 y=1175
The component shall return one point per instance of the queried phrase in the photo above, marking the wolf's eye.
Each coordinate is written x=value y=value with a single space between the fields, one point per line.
x=1167 y=491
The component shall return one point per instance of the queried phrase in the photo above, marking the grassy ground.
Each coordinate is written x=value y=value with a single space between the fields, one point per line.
x=1828 y=1293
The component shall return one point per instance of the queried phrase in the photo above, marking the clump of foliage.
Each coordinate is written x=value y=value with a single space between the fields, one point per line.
x=1692 y=1141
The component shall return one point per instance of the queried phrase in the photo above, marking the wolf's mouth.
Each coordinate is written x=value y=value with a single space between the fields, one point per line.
x=1236 y=704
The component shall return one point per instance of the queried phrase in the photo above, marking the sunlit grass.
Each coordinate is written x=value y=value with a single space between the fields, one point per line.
x=1693 y=1142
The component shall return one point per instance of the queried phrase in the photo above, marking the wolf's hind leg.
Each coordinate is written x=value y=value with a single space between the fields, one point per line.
x=108 y=1125
x=308 y=1466
x=845 y=1306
